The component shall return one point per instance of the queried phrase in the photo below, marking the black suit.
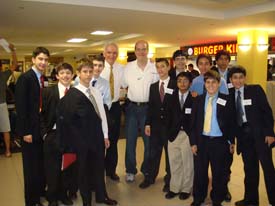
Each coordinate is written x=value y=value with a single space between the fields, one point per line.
x=180 y=119
x=213 y=150
x=27 y=101
x=80 y=130
x=157 y=119
x=251 y=143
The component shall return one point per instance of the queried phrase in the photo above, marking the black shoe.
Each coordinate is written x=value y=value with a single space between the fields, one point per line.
x=166 y=188
x=108 y=201
x=87 y=204
x=114 y=177
x=228 y=197
x=53 y=203
x=216 y=204
x=145 y=184
x=196 y=204
x=72 y=195
x=184 y=195
x=170 y=195
x=38 y=204
x=67 y=201
x=244 y=203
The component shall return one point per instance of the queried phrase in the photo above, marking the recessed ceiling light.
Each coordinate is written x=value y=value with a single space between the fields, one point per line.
x=101 y=32
x=76 y=40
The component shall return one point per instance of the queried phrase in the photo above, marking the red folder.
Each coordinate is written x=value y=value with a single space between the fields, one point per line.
x=67 y=160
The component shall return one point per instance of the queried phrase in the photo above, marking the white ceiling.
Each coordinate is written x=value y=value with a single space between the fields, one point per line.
x=164 y=23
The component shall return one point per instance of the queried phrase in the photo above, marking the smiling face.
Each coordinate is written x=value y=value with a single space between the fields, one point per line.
x=98 y=66
x=40 y=62
x=110 y=53
x=212 y=86
x=180 y=62
x=141 y=50
x=65 y=76
x=238 y=80
x=162 y=69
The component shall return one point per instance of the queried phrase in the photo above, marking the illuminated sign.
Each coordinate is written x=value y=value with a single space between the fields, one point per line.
x=212 y=49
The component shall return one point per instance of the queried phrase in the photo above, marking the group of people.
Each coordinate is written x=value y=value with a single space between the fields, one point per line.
x=195 y=118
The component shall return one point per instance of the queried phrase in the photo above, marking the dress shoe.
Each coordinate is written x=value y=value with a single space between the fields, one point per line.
x=38 y=204
x=114 y=177
x=108 y=201
x=216 y=204
x=72 y=195
x=244 y=203
x=196 y=204
x=166 y=188
x=228 y=197
x=170 y=195
x=145 y=184
x=53 y=203
x=87 y=204
x=184 y=195
x=67 y=201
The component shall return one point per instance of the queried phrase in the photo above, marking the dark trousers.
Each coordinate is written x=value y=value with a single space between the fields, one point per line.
x=52 y=159
x=114 y=130
x=91 y=172
x=33 y=169
x=157 y=143
x=213 y=151
x=255 y=150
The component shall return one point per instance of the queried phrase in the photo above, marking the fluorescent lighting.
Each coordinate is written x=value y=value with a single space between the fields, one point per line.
x=101 y=32
x=76 y=40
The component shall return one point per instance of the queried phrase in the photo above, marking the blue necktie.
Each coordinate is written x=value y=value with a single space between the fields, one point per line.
x=239 y=108
x=94 y=82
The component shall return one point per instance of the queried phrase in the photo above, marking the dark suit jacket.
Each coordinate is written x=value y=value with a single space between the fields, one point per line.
x=258 y=114
x=172 y=73
x=78 y=125
x=223 y=116
x=178 y=117
x=27 y=97
x=157 y=115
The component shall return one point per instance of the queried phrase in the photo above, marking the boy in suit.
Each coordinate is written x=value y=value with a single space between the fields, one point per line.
x=156 y=121
x=28 y=102
x=52 y=155
x=180 y=154
x=211 y=140
x=180 y=58
x=255 y=135
x=81 y=118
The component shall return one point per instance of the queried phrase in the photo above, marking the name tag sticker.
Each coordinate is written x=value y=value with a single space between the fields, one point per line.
x=247 y=102
x=188 y=110
x=221 y=101
x=46 y=83
x=230 y=85
x=169 y=91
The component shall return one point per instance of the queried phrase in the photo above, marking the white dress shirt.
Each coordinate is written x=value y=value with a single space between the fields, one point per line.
x=138 y=81
x=99 y=102
x=184 y=95
x=118 y=71
x=166 y=81
x=104 y=87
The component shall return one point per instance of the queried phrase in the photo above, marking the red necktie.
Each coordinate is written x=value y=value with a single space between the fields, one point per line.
x=41 y=87
x=161 y=91
x=66 y=90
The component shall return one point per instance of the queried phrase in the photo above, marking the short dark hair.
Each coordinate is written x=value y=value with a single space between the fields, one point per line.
x=204 y=56
x=40 y=50
x=85 y=63
x=211 y=74
x=236 y=69
x=178 y=53
x=222 y=53
x=188 y=75
x=191 y=65
x=163 y=60
x=99 y=58
x=64 y=66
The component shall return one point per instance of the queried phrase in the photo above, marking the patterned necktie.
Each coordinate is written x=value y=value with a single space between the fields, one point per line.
x=239 y=109
x=208 y=116
x=111 y=81
x=92 y=99
x=94 y=82
x=181 y=101
x=161 y=91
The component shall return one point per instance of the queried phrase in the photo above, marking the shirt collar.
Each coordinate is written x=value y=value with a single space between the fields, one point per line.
x=61 y=87
x=166 y=81
x=37 y=73
x=184 y=94
x=215 y=95
x=241 y=89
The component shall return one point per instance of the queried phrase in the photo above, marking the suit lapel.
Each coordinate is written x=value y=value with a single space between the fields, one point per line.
x=33 y=75
x=170 y=86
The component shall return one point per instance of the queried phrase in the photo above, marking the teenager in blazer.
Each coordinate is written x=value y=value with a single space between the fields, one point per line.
x=211 y=140
x=255 y=135
x=28 y=103
x=180 y=154
x=157 y=120
x=51 y=96
x=180 y=59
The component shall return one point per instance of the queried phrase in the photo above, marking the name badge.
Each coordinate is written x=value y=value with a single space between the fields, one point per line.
x=188 y=110
x=230 y=85
x=169 y=91
x=247 y=102
x=221 y=101
x=46 y=83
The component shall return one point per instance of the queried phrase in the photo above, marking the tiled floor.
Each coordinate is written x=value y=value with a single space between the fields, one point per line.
x=11 y=184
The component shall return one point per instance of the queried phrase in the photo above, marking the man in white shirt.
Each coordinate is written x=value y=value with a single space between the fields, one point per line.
x=138 y=76
x=113 y=73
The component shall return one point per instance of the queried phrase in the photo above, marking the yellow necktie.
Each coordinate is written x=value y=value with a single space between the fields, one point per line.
x=208 y=116
x=111 y=80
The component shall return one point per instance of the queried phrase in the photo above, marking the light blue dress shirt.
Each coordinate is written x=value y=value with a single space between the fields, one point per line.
x=215 y=130
x=38 y=75
x=198 y=85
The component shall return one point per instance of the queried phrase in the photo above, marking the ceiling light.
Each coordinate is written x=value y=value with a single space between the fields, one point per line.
x=76 y=40
x=101 y=32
